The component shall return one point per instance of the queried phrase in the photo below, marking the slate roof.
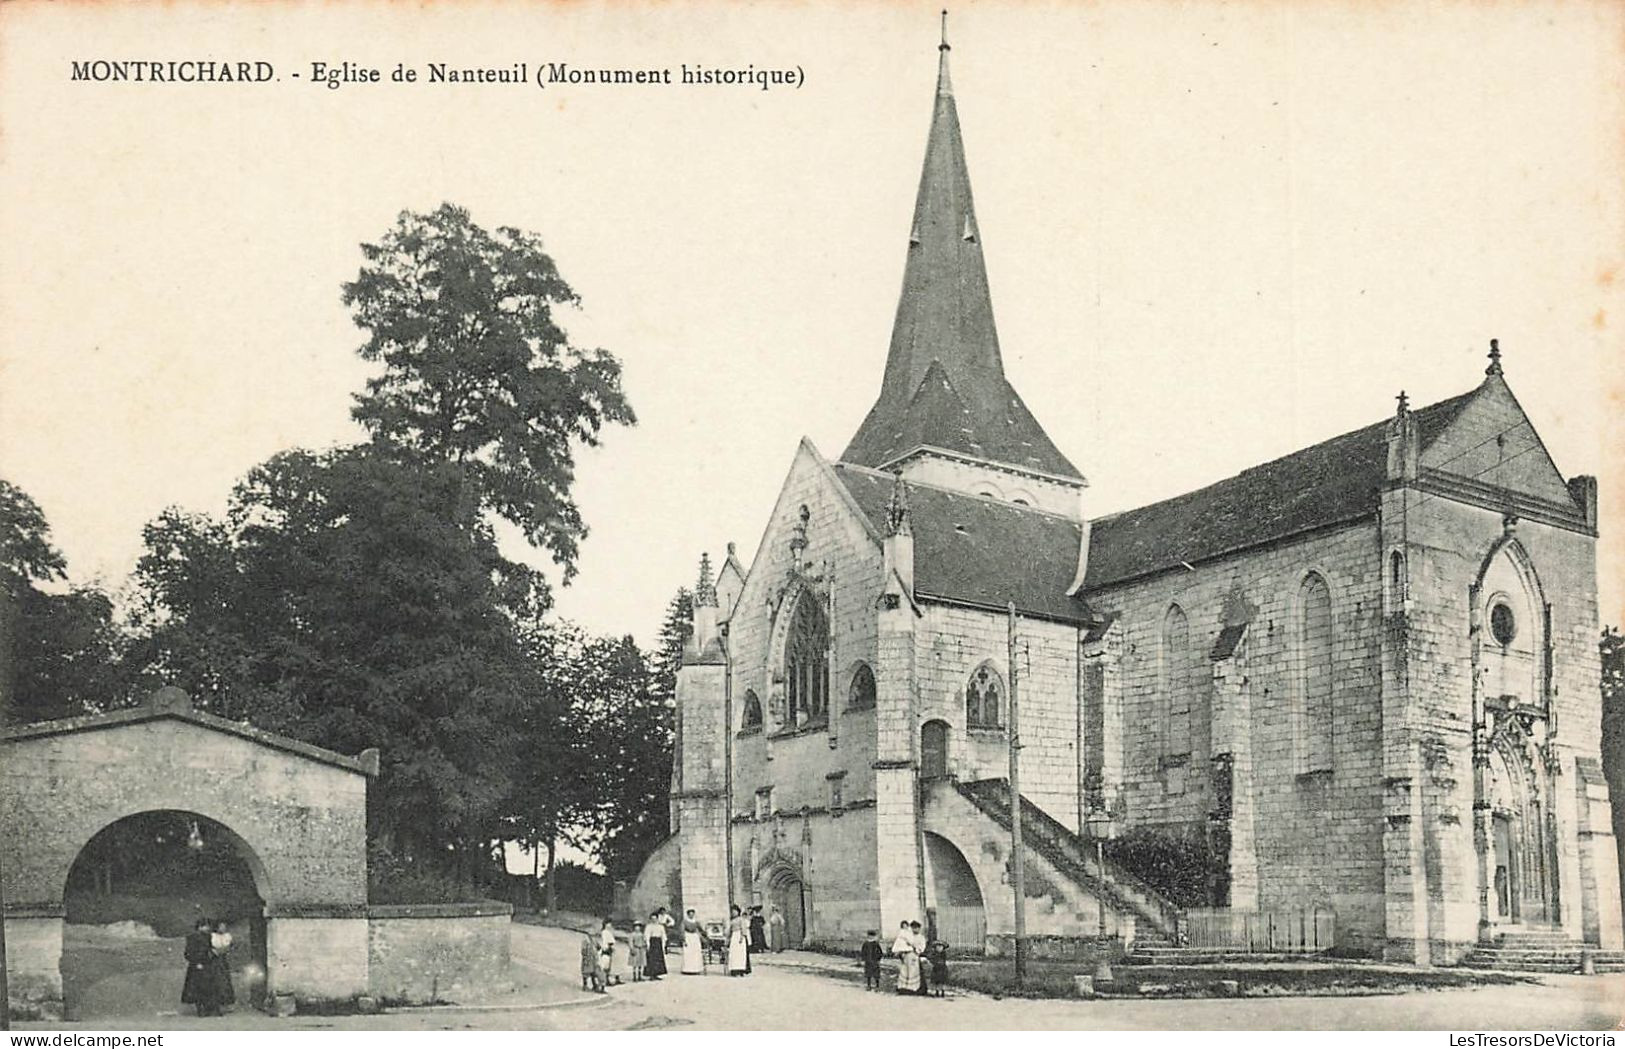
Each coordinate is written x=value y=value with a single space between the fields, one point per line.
x=996 y=425
x=944 y=385
x=978 y=551
x=1327 y=483
x=987 y=552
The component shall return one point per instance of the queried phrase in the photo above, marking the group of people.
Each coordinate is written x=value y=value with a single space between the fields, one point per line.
x=747 y=934
x=920 y=963
x=208 y=974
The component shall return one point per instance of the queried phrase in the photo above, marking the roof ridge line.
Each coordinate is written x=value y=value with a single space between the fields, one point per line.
x=842 y=464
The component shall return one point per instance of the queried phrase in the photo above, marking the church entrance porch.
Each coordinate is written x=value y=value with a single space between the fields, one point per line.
x=1521 y=889
x=788 y=895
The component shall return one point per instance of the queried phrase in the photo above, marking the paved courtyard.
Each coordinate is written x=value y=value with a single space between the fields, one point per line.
x=794 y=991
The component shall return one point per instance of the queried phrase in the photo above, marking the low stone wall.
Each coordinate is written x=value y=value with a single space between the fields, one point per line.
x=34 y=960
x=446 y=952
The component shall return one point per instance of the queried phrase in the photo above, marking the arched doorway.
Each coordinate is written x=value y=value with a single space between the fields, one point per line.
x=953 y=897
x=135 y=890
x=1520 y=885
x=788 y=894
x=933 y=750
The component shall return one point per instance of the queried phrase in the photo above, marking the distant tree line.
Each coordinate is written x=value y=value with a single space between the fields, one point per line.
x=358 y=597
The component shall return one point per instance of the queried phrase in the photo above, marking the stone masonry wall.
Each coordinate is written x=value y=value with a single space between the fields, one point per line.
x=1447 y=543
x=438 y=953
x=1317 y=835
x=803 y=768
x=952 y=642
x=303 y=822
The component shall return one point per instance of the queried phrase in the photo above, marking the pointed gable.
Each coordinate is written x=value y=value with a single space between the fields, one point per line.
x=1491 y=442
x=944 y=385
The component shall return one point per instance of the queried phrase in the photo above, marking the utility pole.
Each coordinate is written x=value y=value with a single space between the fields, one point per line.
x=1018 y=857
x=5 y=981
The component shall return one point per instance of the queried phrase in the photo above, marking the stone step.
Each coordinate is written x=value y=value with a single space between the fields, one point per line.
x=1203 y=956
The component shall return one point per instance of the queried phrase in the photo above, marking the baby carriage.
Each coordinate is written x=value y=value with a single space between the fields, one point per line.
x=715 y=940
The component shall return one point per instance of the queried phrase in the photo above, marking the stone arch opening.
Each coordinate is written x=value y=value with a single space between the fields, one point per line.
x=955 y=910
x=133 y=891
x=1520 y=875
x=787 y=893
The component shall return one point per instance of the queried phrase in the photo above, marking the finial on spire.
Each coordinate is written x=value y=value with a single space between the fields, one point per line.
x=944 y=45
x=1495 y=358
x=897 y=515
x=1404 y=403
x=705 y=591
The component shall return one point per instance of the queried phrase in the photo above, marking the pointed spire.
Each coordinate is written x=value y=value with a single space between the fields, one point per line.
x=1495 y=358
x=897 y=515
x=944 y=384
x=705 y=591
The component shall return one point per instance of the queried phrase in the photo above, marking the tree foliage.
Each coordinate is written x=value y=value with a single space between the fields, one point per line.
x=26 y=552
x=477 y=370
x=60 y=653
x=355 y=600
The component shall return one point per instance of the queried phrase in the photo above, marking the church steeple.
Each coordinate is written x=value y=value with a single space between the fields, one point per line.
x=944 y=386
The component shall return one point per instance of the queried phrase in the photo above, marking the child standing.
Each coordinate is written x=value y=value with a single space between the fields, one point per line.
x=638 y=953
x=870 y=953
x=591 y=977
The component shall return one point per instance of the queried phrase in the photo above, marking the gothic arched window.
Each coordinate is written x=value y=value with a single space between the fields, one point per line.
x=860 y=695
x=753 y=711
x=984 y=698
x=1314 y=675
x=806 y=662
x=1178 y=672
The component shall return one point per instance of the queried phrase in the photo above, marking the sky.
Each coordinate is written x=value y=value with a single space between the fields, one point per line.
x=1215 y=233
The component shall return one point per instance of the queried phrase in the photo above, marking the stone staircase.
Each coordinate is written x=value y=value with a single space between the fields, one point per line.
x=1538 y=949
x=1156 y=918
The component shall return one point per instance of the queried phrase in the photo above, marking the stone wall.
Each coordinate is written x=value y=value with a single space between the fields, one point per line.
x=301 y=823
x=1455 y=552
x=432 y=953
x=952 y=643
x=831 y=850
x=659 y=883
x=320 y=958
x=1317 y=835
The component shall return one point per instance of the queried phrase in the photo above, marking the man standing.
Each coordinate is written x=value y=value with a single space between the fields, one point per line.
x=200 y=989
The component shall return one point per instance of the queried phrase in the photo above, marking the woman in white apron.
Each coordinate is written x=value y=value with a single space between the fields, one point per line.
x=693 y=945
x=738 y=942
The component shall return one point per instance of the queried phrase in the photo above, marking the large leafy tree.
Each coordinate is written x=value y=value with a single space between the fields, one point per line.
x=478 y=371
x=59 y=652
x=355 y=600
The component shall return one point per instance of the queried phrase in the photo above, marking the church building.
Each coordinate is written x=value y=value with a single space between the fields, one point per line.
x=1349 y=697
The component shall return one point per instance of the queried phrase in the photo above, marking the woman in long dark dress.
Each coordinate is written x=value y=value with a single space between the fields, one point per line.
x=655 y=967
x=758 y=929
x=200 y=988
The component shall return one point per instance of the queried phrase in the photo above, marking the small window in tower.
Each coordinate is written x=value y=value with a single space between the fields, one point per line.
x=764 y=803
x=752 y=718
x=861 y=694
x=984 y=696
x=837 y=791
x=1503 y=624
